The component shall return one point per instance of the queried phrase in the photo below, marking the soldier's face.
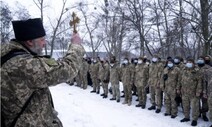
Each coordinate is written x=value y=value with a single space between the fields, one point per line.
x=37 y=45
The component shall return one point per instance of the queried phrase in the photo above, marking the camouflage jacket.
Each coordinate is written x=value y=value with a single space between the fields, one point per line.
x=104 y=72
x=170 y=84
x=141 y=74
x=101 y=71
x=155 y=71
x=207 y=86
x=115 y=74
x=27 y=74
x=202 y=71
x=126 y=72
x=85 y=68
x=190 y=82
x=94 y=70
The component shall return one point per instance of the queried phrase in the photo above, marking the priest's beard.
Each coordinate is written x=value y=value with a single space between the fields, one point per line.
x=36 y=49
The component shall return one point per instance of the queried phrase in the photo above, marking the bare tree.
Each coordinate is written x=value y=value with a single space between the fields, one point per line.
x=94 y=41
x=21 y=12
x=5 y=18
x=59 y=21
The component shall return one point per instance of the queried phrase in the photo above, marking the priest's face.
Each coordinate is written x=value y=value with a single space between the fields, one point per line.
x=37 y=45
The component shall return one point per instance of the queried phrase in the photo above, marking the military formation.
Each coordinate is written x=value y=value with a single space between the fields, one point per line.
x=172 y=83
x=26 y=76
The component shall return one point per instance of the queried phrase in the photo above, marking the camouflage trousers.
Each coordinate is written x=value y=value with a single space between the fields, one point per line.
x=203 y=105
x=127 y=92
x=210 y=107
x=105 y=88
x=116 y=91
x=84 y=81
x=96 y=84
x=170 y=103
x=156 y=96
x=141 y=95
x=193 y=101
x=79 y=79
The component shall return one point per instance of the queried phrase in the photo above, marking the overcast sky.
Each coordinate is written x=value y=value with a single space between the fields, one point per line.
x=53 y=9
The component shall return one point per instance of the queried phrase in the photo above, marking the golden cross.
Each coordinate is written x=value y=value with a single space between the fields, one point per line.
x=74 y=21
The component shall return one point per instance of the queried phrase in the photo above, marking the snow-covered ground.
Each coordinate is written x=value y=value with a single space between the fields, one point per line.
x=80 y=108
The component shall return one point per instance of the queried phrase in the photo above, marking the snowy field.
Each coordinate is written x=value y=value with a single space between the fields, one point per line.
x=80 y=108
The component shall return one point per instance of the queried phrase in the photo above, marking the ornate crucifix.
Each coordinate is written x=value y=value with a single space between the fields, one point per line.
x=74 y=21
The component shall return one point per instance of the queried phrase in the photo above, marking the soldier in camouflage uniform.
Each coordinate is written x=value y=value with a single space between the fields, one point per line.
x=169 y=82
x=190 y=88
x=114 y=79
x=178 y=62
x=84 y=73
x=141 y=79
x=26 y=76
x=207 y=90
x=94 y=71
x=202 y=68
x=155 y=72
x=104 y=77
x=126 y=77
x=159 y=92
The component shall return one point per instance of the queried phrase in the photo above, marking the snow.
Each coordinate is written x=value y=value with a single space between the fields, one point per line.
x=80 y=108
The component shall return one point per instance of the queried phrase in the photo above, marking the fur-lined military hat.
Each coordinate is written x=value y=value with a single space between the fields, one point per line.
x=28 y=29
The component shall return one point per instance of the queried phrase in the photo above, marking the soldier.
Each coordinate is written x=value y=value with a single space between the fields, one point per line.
x=94 y=70
x=207 y=90
x=134 y=62
x=26 y=76
x=190 y=88
x=141 y=79
x=178 y=62
x=159 y=92
x=88 y=74
x=106 y=77
x=126 y=77
x=169 y=82
x=114 y=78
x=154 y=77
x=101 y=73
x=202 y=68
x=208 y=60
x=84 y=73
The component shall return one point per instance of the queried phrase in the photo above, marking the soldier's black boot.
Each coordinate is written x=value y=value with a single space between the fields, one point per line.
x=102 y=94
x=204 y=117
x=173 y=116
x=118 y=100
x=167 y=114
x=158 y=111
x=138 y=105
x=151 y=108
x=143 y=106
x=112 y=99
x=185 y=120
x=123 y=96
x=93 y=91
x=97 y=92
x=105 y=96
x=194 y=123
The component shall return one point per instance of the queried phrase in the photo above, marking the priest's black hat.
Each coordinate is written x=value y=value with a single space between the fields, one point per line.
x=28 y=29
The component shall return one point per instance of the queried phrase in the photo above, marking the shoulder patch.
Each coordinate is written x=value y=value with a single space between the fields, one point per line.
x=50 y=62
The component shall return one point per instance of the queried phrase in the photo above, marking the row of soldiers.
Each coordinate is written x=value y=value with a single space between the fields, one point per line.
x=175 y=81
